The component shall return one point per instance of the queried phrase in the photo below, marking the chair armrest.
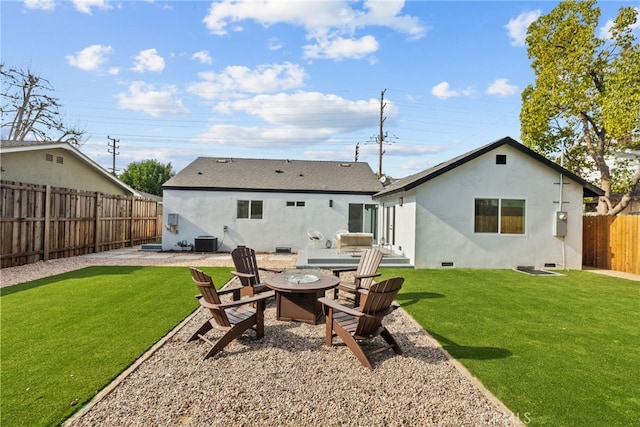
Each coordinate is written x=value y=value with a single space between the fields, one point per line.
x=271 y=270
x=246 y=275
x=339 y=307
x=258 y=297
x=366 y=276
x=227 y=289
x=236 y=303
x=337 y=271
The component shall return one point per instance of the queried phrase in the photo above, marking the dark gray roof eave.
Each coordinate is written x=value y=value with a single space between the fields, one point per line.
x=269 y=190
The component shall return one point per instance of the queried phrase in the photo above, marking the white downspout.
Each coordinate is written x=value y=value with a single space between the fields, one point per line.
x=564 y=260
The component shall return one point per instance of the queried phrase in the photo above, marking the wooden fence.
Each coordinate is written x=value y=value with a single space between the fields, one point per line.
x=40 y=222
x=612 y=242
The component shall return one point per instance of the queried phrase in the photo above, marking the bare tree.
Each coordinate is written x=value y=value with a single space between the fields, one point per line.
x=29 y=111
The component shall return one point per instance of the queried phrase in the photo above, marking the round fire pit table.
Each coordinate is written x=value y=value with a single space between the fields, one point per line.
x=297 y=293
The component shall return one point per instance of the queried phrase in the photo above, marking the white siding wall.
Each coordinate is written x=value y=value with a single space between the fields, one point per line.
x=445 y=208
x=207 y=212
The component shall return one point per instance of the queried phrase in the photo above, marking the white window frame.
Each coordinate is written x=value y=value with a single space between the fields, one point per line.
x=499 y=231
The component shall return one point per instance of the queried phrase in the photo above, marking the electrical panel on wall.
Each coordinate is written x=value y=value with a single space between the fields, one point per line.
x=560 y=224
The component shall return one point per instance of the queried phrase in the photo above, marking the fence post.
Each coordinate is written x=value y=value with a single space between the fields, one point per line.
x=97 y=235
x=133 y=200
x=47 y=222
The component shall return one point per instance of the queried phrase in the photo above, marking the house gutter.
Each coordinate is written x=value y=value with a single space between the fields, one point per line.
x=269 y=190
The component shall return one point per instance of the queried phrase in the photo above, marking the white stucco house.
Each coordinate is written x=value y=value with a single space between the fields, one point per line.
x=267 y=204
x=499 y=206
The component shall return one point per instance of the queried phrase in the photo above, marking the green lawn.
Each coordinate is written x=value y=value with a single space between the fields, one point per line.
x=560 y=351
x=556 y=350
x=65 y=337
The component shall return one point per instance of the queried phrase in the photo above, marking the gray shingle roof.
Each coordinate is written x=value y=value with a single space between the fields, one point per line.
x=232 y=174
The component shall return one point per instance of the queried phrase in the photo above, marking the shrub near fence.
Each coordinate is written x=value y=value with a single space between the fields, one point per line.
x=40 y=222
x=612 y=242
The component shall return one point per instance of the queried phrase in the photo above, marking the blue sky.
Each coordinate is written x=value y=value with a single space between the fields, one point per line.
x=175 y=80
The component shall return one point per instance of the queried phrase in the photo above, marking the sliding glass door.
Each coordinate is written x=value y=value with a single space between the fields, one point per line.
x=363 y=218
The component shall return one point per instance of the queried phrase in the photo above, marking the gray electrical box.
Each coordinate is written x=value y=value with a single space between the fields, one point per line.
x=560 y=224
x=172 y=219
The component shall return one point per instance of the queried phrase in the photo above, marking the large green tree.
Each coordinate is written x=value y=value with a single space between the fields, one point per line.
x=584 y=107
x=147 y=176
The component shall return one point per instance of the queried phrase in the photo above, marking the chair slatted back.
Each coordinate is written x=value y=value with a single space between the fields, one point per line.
x=377 y=304
x=244 y=259
x=369 y=263
x=208 y=291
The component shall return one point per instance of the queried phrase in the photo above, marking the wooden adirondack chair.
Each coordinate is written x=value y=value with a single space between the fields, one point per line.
x=233 y=318
x=248 y=272
x=365 y=322
x=364 y=273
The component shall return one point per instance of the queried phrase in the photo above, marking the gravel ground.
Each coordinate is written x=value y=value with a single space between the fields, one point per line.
x=289 y=378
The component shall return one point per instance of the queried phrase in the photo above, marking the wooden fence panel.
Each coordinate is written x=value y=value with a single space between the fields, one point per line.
x=40 y=222
x=612 y=242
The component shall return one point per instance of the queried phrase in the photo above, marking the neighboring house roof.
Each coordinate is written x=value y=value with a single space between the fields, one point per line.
x=269 y=175
x=25 y=146
x=404 y=184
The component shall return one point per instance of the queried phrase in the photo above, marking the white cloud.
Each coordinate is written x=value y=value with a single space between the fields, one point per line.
x=420 y=163
x=260 y=136
x=412 y=150
x=144 y=97
x=517 y=27
x=114 y=71
x=85 y=6
x=90 y=58
x=274 y=44
x=501 y=87
x=342 y=48
x=203 y=56
x=605 y=30
x=330 y=24
x=301 y=118
x=40 y=4
x=442 y=91
x=238 y=79
x=311 y=110
x=148 y=60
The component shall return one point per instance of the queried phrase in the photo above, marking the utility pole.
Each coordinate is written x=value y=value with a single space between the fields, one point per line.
x=381 y=134
x=112 y=149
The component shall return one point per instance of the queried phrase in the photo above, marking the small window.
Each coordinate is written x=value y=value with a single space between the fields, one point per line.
x=300 y=204
x=511 y=216
x=48 y=157
x=486 y=216
x=291 y=203
x=243 y=209
x=256 y=209
x=59 y=160
x=249 y=209
x=503 y=216
x=501 y=159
